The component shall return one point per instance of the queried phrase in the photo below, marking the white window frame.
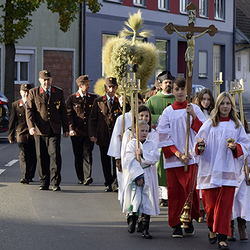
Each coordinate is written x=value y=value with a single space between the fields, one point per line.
x=105 y=35
x=163 y=4
x=116 y=1
x=139 y=3
x=219 y=9
x=203 y=64
x=157 y=71
x=216 y=60
x=183 y=5
x=203 y=8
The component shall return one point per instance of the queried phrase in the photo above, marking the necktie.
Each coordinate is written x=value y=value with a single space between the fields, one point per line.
x=47 y=93
x=111 y=102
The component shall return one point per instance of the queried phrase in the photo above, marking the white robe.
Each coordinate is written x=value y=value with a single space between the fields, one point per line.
x=218 y=167
x=115 y=145
x=172 y=131
x=241 y=205
x=144 y=199
x=127 y=136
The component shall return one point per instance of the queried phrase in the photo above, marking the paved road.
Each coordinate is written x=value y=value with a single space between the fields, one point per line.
x=78 y=217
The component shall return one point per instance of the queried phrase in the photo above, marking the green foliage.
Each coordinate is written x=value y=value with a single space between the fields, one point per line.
x=17 y=19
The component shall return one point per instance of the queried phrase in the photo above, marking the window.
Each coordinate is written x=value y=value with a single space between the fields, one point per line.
x=116 y=1
x=216 y=61
x=163 y=4
x=203 y=8
x=105 y=38
x=22 y=69
x=139 y=2
x=183 y=5
x=239 y=63
x=219 y=9
x=162 y=47
x=202 y=64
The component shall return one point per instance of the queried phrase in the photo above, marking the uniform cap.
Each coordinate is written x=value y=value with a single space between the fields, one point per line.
x=25 y=87
x=82 y=79
x=111 y=81
x=45 y=74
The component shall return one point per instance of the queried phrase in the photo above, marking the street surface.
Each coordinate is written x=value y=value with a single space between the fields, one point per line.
x=78 y=217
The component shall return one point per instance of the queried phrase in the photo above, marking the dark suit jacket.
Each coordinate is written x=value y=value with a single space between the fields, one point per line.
x=18 y=123
x=79 y=111
x=102 y=119
x=43 y=113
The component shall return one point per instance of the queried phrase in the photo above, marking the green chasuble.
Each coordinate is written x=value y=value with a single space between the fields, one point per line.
x=157 y=104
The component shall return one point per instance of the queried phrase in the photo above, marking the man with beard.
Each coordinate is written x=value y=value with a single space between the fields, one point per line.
x=157 y=104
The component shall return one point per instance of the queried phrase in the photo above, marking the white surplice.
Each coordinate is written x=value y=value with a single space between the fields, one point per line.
x=172 y=131
x=218 y=167
x=143 y=198
x=241 y=205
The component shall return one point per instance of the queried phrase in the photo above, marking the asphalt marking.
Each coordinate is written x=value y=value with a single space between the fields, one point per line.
x=2 y=170
x=11 y=163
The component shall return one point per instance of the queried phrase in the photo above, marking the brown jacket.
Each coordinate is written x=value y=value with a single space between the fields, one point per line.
x=43 y=113
x=102 y=119
x=18 y=123
x=79 y=111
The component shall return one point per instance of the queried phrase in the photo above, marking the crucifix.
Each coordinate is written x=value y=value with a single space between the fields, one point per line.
x=189 y=54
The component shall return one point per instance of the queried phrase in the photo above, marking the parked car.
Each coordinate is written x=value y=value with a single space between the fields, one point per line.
x=196 y=88
x=4 y=113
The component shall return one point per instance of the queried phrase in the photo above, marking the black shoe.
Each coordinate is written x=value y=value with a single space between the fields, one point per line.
x=24 y=181
x=190 y=229
x=43 y=188
x=139 y=227
x=163 y=203
x=88 y=181
x=177 y=232
x=223 y=247
x=80 y=182
x=131 y=220
x=31 y=180
x=146 y=235
x=212 y=240
x=108 y=189
x=56 y=188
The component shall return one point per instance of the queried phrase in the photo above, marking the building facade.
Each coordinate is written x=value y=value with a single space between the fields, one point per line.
x=212 y=54
x=47 y=47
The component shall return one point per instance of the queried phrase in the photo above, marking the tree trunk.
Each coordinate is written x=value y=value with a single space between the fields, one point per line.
x=9 y=85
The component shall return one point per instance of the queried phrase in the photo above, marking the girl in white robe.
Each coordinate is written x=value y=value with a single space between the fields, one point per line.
x=205 y=101
x=226 y=146
x=141 y=183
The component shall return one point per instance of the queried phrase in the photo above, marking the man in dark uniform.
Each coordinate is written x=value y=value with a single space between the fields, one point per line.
x=25 y=141
x=46 y=113
x=78 y=107
x=102 y=119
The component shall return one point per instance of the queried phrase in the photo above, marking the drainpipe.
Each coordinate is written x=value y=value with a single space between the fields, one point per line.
x=82 y=38
x=234 y=25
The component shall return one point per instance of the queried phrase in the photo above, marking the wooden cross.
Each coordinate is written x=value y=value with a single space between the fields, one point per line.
x=189 y=54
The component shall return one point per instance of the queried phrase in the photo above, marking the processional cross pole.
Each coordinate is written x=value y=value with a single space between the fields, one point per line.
x=189 y=54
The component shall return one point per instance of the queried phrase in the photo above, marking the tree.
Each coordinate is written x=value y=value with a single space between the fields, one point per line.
x=17 y=21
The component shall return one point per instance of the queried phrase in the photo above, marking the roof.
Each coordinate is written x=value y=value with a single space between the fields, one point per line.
x=243 y=18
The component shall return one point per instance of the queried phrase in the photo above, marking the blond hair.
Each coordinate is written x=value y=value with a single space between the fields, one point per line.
x=216 y=112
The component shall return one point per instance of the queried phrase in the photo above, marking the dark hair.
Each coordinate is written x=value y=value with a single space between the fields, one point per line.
x=145 y=108
x=140 y=97
x=200 y=97
x=180 y=82
x=245 y=122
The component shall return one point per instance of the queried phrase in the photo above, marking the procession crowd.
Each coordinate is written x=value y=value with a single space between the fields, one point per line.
x=146 y=164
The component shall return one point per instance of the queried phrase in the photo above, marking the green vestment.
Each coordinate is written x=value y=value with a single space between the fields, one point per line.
x=157 y=104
